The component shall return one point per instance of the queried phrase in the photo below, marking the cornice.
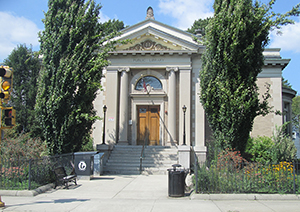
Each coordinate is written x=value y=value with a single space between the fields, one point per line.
x=272 y=62
x=289 y=91
x=154 y=52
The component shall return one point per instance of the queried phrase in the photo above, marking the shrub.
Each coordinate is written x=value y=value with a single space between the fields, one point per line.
x=23 y=147
x=230 y=158
x=284 y=147
x=279 y=147
x=260 y=149
x=12 y=172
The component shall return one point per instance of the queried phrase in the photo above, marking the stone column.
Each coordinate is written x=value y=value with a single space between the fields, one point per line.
x=184 y=151
x=110 y=98
x=123 y=120
x=200 y=125
x=172 y=105
x=185 y=99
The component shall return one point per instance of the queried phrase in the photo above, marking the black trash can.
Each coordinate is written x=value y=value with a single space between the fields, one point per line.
x=84 y=164
x=176 y=181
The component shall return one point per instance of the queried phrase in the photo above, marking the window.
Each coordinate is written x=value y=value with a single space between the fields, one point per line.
x=148 y=80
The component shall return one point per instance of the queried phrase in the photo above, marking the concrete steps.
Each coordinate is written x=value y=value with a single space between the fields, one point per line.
x=125 y=159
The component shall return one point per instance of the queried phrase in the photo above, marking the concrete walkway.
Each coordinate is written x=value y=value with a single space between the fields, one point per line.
x=142 y=193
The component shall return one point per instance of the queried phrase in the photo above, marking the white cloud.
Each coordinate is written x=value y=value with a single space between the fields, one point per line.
x=14 y=31
x=103 y=17
x=186 y=11
x=289 y=40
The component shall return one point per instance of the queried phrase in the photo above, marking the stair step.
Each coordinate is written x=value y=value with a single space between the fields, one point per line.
x=134 y=171
x=132 y=160
x=111 y=165
x=125 y=159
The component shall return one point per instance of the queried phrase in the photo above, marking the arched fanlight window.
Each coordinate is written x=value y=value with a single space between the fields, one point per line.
x=148 y=80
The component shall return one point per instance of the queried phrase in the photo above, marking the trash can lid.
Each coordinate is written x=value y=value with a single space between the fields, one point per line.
x=176 y=166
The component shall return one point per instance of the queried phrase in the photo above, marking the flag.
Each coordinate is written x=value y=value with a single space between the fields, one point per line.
x=144 y=84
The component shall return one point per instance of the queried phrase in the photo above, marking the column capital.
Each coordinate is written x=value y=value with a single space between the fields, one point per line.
x=169 y=69
x=185 y=69
x=121 y=69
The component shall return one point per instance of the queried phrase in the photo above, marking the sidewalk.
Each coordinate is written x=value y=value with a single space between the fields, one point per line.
x=142 y=193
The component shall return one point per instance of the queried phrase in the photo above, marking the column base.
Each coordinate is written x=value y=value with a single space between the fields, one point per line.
x=184 y=156
x=200 y=152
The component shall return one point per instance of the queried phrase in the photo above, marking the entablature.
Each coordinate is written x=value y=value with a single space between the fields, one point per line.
x=155 y=52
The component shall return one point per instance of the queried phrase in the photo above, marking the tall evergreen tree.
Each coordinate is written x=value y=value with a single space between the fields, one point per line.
x=235 y=40
x=296 y=113
x=26 y=66
x=199 y=26
x=111 y=26
x=74 y=54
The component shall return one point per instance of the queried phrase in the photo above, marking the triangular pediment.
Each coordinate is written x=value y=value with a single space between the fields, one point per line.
x=148 y=42
x=151 y=35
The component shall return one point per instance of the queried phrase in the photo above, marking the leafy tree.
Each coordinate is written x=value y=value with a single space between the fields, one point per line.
x=286 y=84
x=111 y=26
x=26 y=66
x=235 y=40
x=74 y=54
x=199 y=26
x=296 y=112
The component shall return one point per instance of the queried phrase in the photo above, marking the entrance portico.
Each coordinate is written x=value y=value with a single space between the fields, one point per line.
x=147 y=83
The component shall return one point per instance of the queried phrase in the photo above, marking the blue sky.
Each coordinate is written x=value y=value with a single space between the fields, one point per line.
x=21 y=20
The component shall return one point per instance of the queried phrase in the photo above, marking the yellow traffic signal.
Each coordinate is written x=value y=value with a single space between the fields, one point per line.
x=5 y=85
x=6 y=74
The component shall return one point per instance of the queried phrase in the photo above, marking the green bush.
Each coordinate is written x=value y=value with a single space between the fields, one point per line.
x=279 y=147
x=260 y=149
x=15 y=154
x=22 y=147
x=284 y=147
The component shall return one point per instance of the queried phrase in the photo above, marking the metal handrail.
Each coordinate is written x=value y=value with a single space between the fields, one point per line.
x=142 y=154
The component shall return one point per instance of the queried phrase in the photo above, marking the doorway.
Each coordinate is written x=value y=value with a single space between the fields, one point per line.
x=148 y=124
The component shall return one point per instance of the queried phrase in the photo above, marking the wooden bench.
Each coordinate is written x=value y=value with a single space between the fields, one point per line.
x=62 y=178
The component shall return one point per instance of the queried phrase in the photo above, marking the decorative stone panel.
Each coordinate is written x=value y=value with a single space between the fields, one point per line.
x=148 y=45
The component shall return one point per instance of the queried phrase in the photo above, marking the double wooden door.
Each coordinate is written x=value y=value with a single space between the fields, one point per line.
x=148 y=124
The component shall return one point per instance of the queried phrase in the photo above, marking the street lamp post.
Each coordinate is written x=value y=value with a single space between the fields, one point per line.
x=184 y=110
x=103 y=137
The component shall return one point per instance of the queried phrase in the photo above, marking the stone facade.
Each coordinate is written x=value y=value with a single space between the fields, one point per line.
x=173 y=58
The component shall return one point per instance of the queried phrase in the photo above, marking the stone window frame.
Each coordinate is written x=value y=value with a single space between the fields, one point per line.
x=153 y=86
